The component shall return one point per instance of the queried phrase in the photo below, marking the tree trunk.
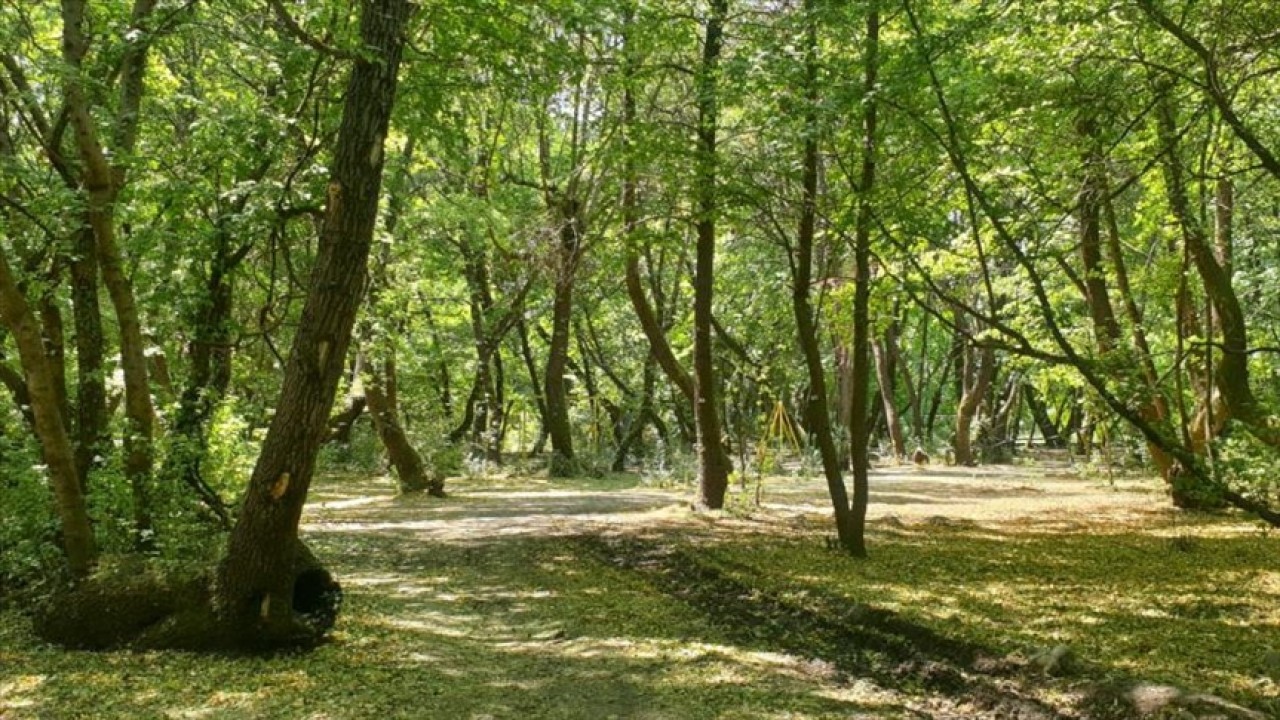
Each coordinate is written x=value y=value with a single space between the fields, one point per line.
x=410 y=470
x=254 y=587
x=714 y=465
x=531 y=366
x=55 y=348
x=343 y=422
x=208 y=380
x=885 y=353
x=102 y=187
x=55 y=444
x=1156 y=409
x=1232 y=372
x=555 y=390
x=1092 y=190
x=1040 y=414
x=816 y=408
x=997 y=435
x=979 y=370
x=861 y=361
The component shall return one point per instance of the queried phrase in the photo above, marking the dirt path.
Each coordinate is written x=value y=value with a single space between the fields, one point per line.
x=516 y=507
x=523 y=598
x=592 y=597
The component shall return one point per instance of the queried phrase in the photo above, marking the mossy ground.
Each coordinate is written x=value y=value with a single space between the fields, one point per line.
x=529 y=598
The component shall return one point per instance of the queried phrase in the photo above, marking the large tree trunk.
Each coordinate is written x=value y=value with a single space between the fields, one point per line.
x=77 y=535
x=713 y=461
x=255 y=586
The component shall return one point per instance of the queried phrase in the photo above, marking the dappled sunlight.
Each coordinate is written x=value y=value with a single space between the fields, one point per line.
x=626 y=604
x=17 y=693
x=479 y=514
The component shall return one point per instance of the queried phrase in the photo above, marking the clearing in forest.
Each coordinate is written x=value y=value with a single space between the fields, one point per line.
x=527 y=598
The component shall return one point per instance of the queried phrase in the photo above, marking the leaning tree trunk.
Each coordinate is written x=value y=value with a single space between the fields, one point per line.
x=659 y=347
x=77 y=535
x=255 y=585
x=1232 y=373
x=411 y=472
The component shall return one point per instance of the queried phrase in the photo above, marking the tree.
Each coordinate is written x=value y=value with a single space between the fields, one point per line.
x=102 y=183
x=714 y=465
x=77 y=534
x=255 y=585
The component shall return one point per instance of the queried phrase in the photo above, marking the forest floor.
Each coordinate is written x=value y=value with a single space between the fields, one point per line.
x=520 y=597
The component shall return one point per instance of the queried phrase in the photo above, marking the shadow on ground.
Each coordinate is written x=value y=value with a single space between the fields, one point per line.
x=538 y=601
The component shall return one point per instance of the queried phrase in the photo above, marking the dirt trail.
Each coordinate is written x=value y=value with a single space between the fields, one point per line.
x=501 y=529
x=517 y=507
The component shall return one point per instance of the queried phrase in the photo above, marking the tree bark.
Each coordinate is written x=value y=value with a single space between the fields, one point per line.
x=1089 y=213
x=77 y=534
x=714 y=465
x=531 y=366
x=816 y=406
x=979 y=370
x=1156 y=409
x=1040 y=415
x=1232 y=372
x=411 y=472
x=885 y=353
x=210 y=375
x=102 y=186
x=861 y=361
x=343 y=422
x=555 y=389
x=254 y=587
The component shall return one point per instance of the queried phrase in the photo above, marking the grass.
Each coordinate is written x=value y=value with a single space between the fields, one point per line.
x=523 y=597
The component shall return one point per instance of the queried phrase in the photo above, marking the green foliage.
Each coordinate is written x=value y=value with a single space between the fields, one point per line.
x=29 y=551
x=1244 y=462
x=233 y=448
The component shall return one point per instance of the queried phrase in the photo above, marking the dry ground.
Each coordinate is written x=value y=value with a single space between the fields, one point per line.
x=527 y=598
